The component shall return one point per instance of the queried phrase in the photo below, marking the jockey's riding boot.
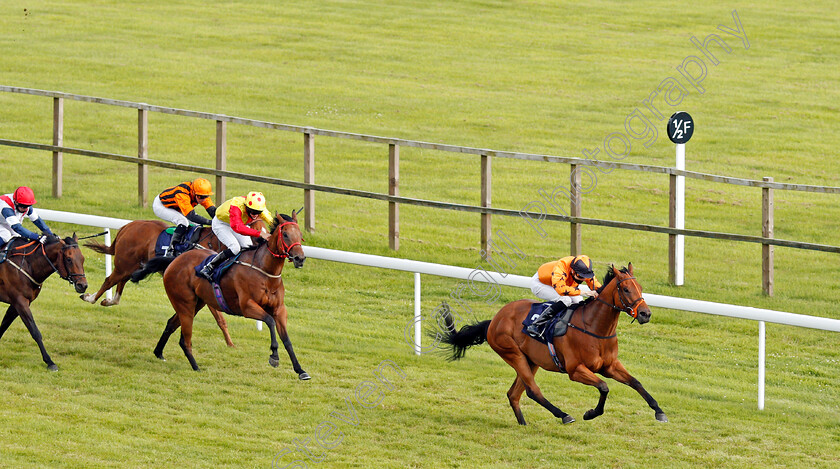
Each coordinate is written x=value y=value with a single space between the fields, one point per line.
x=207 y=270
x=177 y=238
x=545 y=318
x=563 y=323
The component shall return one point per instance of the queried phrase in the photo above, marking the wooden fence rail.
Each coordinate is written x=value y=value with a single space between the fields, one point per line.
x=309 y=187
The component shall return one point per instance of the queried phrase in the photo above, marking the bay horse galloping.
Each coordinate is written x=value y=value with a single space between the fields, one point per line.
x=26 y=268
x=134 y=245
x=589 y=346
x=252 y=287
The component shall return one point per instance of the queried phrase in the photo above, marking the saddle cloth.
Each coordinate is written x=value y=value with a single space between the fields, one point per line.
x=187 y=241
x=548 y=330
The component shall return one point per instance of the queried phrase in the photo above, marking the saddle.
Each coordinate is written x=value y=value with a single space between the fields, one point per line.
x=4 y=249
x=190 y=238
x=547 y=333
x=217 y=274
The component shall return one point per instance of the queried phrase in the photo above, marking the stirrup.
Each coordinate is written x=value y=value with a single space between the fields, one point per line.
x=206 y=272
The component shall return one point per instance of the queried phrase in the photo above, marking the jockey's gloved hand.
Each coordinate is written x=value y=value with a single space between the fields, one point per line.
x=43 y=239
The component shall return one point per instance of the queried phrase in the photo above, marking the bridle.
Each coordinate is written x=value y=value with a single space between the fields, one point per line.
x=631 y=308
x=65 y=262
x=281 y=243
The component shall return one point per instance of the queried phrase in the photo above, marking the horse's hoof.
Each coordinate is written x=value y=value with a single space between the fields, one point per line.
x=568 y=419
x=275 y=362
x=304 y=376
x=590 y=414
x=107 y=303
x=87 y=297
x=52 y=367
x=660 y=416
x=160 y=357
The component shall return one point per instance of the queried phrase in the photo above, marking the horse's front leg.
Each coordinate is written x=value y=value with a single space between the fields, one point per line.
x=220 y=320
x=254 y=311
x=281 y=315
x=584 y=375
x=26 y=316
x=11 y=315
x=617 y=372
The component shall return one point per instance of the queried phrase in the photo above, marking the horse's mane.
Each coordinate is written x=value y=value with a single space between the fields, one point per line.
x=609 y=276
x=277 y=218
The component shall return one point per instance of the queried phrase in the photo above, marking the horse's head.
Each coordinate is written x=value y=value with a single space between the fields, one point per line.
x=285 y=235
x=627 y=293
x=67 y=259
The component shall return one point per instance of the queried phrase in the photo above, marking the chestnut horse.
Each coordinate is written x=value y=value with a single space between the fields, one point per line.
x=252 y=287
x=26 y=268
x=589 y=346
x=134 y=245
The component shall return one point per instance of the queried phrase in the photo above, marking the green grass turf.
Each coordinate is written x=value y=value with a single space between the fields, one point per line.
x=526 y=76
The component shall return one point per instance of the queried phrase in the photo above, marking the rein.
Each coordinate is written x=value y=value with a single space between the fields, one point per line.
x=632 y=309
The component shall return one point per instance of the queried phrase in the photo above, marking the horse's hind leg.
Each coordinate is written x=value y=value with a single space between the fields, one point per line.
x=525 y=372
x=116 y=277
x=171 y=326
x=186 y=339
x=29 y=321
x=220 y=320
x=514 y=393
x=115 y=300
x=620 y=374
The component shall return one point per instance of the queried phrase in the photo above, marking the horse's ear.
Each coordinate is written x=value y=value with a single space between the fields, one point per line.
x=630 y=268
x=75 y=238
x=614 y=270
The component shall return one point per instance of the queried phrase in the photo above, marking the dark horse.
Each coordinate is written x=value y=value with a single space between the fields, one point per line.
x=134 y=245
x=590 y=346
x=252 y=287
x=26 y=268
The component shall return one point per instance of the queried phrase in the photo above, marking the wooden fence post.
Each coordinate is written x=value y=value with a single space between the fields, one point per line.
x=142 y=152
x=767 y=232
x=672 y=222
x=58 y=140
x=575 y=238
x=309 y=178
x=394 y=189
x=221 y=160
x=486 y=191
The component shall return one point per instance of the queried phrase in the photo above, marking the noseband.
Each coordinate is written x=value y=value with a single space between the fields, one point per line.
x=281 y=243
x=632 y=309
x=66 y=261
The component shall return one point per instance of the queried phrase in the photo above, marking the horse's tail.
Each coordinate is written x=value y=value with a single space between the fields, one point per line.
x=469 y=335
x=101 y=248
x=155 y=264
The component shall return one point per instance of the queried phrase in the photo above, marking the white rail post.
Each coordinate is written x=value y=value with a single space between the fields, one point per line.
x=680 y=129
x=679 y=222
x=760 y=365
x=108 y=294
x=418 y=327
